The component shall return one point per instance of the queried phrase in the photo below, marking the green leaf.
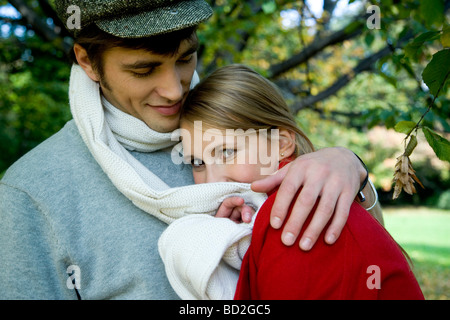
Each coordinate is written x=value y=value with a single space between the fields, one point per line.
x=352 y=26
x=432 y=11
x=390 y=79
x=269 y=7
x=405 y=126
x=437 y=71
x=440 y=145
x=369 y=38
x=445 y=37
x=413 y=48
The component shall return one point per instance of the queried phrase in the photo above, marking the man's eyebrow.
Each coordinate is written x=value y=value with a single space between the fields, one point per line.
x=145 y=64
x=192 y=49
x=142 y=64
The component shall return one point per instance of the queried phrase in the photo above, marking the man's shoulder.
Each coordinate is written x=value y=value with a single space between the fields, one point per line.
x=50 y=157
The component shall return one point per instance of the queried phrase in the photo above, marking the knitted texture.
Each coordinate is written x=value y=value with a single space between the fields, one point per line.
x=203 y=256
x=147 y=191
x=134 y=135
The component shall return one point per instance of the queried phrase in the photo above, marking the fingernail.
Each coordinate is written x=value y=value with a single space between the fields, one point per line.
x=331 y=239
x=276 y=223
x=288 y=239
x=305 y=244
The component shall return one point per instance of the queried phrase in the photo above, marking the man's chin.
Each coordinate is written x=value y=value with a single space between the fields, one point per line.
x=164 y=126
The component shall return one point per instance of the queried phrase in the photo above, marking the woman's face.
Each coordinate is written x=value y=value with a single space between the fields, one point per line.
x=229 y=155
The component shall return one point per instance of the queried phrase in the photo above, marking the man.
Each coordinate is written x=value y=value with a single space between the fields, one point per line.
x=82 y=213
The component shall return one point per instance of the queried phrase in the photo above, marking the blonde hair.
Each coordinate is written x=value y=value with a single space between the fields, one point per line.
x=236 y=97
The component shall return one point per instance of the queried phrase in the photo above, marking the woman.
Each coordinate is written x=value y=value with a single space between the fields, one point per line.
x=236 y=127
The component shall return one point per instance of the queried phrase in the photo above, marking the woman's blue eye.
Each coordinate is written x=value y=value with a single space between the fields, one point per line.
x=228 y=153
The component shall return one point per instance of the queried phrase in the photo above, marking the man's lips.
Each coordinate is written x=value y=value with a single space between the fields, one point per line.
x=168 y=110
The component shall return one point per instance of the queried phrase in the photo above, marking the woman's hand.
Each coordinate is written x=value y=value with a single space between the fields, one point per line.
x=331 y=177
x=235 y=209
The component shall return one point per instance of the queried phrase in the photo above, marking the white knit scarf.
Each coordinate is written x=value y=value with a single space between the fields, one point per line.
x=202 y=254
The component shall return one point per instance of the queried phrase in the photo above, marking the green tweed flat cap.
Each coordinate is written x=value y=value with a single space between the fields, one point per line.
x=132 y=18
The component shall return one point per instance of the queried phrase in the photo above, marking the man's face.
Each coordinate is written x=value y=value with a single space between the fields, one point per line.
x=149 y=86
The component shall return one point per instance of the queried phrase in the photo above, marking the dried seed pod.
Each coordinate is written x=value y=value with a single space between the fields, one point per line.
x=411 y=146
x=404 y=175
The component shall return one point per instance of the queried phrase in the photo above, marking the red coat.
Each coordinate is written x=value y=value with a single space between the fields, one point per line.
x=364 y=258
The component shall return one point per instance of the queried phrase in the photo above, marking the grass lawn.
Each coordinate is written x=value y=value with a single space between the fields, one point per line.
x=425 y=235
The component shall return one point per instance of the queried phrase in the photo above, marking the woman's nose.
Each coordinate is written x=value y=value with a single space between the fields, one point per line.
x=215 y=173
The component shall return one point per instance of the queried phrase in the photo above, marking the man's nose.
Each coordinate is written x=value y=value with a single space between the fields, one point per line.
x=169 y=86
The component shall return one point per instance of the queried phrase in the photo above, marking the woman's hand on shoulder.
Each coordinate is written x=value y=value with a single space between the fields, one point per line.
x=330 y=178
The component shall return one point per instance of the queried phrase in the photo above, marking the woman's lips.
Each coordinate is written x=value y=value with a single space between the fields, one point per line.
x=168 y=110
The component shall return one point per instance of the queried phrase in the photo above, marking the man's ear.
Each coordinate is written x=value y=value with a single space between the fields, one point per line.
x=287 y=143
x=85 y=62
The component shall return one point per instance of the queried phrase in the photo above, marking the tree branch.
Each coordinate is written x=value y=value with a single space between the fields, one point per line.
x=350 y=31
x=239 y=43
x=48 y=10
x=340 y=117
x=39 y=26
x=364 y=65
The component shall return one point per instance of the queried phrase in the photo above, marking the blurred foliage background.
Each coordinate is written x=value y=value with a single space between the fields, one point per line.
x=348 y=77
